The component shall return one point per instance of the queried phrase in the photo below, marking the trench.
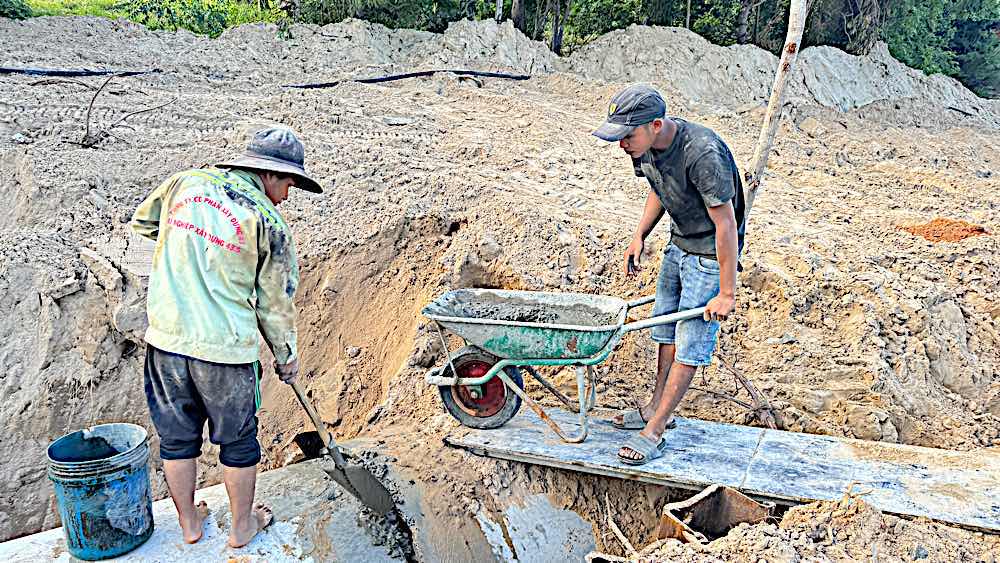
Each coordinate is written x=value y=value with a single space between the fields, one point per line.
x=364 y=350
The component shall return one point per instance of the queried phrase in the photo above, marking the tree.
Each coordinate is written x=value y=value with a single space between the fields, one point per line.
x=517 y=15
x=560 y=14
x=953 y=37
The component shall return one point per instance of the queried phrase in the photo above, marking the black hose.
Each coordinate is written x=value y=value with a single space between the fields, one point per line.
x=72 y=72
x=405 y=75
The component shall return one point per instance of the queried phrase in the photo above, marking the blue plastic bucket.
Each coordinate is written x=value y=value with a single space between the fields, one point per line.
x=101 y=478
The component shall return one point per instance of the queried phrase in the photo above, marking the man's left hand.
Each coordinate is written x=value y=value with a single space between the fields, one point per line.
x=719 y=308
x=287 y=372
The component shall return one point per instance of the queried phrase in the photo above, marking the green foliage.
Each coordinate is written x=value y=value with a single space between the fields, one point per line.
x=73 y=7
x=589 y=20
x=14 y=9
x=715 y=20
x=429 y=15
x=954 y=37
x=205 y=17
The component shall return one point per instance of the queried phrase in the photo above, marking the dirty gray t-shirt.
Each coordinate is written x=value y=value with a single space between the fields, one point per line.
x=695 y=172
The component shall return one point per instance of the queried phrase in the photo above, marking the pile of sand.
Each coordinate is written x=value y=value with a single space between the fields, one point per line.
x=845 y=530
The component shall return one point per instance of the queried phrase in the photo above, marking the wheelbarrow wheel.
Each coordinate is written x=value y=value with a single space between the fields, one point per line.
x=489 y=405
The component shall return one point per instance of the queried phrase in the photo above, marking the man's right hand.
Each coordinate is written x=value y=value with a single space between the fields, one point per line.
x=633 y=254
x=287 y=372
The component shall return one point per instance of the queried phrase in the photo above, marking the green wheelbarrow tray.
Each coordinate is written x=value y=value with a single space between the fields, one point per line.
x=555 y=326
x=524 y=329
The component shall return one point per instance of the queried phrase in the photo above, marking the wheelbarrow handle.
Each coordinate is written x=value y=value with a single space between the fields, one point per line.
x=663 y=319
x=641 y=301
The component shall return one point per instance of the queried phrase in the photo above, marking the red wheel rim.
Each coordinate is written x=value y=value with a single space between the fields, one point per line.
x=494 y=392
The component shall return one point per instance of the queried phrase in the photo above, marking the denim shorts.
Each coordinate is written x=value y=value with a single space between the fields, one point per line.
x=687 y=281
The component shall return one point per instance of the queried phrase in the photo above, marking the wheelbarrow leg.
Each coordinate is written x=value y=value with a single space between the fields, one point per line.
x=581 y=436
x=592 y=400
x=585 y=401
x=551 y=388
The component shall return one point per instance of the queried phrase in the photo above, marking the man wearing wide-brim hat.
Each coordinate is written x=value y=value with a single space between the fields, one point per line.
x=224 y=267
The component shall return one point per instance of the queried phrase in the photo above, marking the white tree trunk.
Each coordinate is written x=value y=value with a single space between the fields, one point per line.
x=753 y=177
x=499 y=14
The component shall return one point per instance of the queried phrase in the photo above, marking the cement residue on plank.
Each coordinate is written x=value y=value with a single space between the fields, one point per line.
x=697 y=452
x=785 y=466
x=957 y=487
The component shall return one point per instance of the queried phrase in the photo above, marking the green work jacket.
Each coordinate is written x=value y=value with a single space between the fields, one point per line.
x=224 y=265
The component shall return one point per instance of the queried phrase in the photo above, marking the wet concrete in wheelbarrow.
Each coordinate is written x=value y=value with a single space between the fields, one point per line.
x=532 y=313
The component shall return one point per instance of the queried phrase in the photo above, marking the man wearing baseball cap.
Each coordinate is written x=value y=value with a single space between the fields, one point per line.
x=224 y=267
x=693 y=178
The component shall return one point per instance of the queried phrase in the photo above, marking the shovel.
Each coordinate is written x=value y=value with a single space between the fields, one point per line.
x=355 y=479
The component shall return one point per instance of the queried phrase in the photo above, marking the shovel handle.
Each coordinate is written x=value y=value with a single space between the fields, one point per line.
x=324 y=434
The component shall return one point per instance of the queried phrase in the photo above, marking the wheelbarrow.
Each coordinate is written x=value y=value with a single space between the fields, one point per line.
x=505 y=332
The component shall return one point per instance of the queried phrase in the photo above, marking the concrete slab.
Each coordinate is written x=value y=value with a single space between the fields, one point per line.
x=956 y=487
x=314 y=521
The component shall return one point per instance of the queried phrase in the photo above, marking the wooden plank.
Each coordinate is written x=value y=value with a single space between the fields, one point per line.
x=950 y=486
x=956 y=487
x=686 y=463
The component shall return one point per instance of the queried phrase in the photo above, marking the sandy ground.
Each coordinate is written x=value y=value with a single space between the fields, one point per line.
x=847 y=530
x=850 y=323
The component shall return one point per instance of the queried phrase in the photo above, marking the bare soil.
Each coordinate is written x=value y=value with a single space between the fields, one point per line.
x=852 y=326
x=845 y=530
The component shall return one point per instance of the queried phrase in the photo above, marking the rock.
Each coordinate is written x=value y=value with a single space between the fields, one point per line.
x=920 y=553
x=951 y=362
x=107 y=275
x=352 y=351
x=783 y=339
x=489 y=249
x=811 y=127
x=869 y=423
x=20 y=139
x=66 y=287
x=397 y=120
x=983 y=173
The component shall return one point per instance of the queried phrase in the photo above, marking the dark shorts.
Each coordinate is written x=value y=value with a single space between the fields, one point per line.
x=184 y=392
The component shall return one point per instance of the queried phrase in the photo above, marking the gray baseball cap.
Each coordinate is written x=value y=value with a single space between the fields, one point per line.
x=636 y=105
x=276 y=149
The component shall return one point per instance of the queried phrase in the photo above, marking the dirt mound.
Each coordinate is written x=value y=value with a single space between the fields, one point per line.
x=740 y=75
x=257 y=52
x=846 y=530
x=945 y=230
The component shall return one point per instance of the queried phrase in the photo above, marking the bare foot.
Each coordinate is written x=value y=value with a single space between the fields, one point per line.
x=261 y=518
x=192 y=530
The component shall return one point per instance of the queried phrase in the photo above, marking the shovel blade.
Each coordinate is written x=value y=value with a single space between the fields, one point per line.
x=362 y=485
x=355 y=479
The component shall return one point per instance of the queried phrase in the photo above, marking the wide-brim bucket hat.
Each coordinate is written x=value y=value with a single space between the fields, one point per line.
x=276 y=149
